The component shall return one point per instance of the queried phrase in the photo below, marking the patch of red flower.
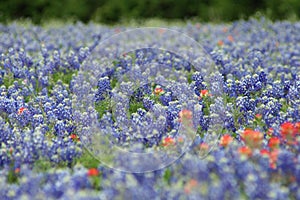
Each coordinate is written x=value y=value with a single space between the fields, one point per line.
x=220 y=43
x=264 y=152
x=226 y=140
x=21 y=110
x=168 y=141
x=203 y=146
x=274 y=143
x=270 y=132
x=297 y=127
x=258 y=116
x=288 y=131
x=204 y=93
x=180 y=139
x=245 y=151
x=273 y=156
x=190 y=185
x=158 y=91
x=230 y=38
x=17 y=170
x=93 y=172
x=185 y=114
x=252 y=139
x=74 y=137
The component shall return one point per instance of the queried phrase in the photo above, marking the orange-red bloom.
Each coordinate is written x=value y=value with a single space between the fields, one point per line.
x=273 y=158
x=168 y=141
x=252 y=138
x=274 y=143
x=185 y=114
x=245 y=151
x=190 y=185
x=158 y=91
x=270 y=132
x=230 y=38
x=93 y=172
x=203 y=146
x=297 y=127
x=226 y=140
x=220 y=43
x=17 y=170
x=288 y=131
x=21 y=110
x=264 y=152
x=258 y=116
x=74 y=137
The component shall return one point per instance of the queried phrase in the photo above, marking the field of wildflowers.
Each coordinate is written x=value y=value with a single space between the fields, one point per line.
x=252 y=93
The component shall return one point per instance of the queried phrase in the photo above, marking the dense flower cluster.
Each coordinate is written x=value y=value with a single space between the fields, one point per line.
x=41 y=151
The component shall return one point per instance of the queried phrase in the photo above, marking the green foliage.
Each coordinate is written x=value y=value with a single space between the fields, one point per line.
x=112 y=11
x=134 y=106
x=167 y=176
x=102 y=107
x=87 y=160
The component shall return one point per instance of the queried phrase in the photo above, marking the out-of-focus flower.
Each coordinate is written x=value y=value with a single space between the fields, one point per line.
x=168 y=141
x=220 y=43
x=273 y=156
x=288 y=132
x=93 y=172
x=230 y=38
x=190 y=185
x=264 y=152
x=203 y=146
x=245 y=150
x=270 y=132
x=226 y=140
x=252 y=139
x=185 y=115
x=274 y=143
x=17 y=170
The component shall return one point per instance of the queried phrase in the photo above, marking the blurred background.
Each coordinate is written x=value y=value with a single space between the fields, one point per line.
x=122 y=11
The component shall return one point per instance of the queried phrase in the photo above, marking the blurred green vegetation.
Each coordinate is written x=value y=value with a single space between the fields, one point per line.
x=116 y=11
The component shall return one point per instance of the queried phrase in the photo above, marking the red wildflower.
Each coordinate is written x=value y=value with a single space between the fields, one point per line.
x=230 y=38
x=190 y=185
x=17 y=170
x=21 y=110
x=273 y=158
x=245 y=151
x=226 y=140
x=203 y=93
x=252 y=138
x=185 y=114
x=288 y=131
x=158 y=90
x=161 y=31
x=297 y=127
x=274 y=143
x=270 y=132
x=180 y=139
x=203 y=146
x=168 y=141
x=74 y=137
x=93 y=172
x=220 y=43
x=258 y=116
x=264 y=152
